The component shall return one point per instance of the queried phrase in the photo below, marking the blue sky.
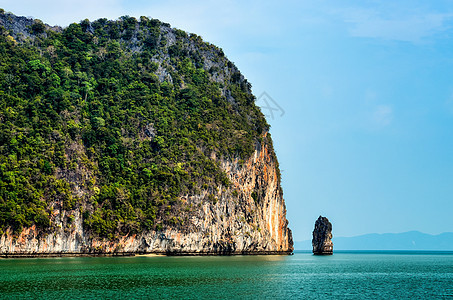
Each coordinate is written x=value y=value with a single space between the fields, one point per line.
x=366 y=86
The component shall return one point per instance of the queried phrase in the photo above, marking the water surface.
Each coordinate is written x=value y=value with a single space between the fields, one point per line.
x=343 y=276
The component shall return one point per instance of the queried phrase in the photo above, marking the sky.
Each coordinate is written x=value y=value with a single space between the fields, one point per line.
x=359 y=95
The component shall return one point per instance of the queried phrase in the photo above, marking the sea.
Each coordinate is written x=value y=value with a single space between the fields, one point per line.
x=344 y=275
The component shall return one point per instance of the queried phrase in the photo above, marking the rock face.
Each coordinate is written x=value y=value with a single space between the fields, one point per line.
x=240 y=225
x=248 y=216
x=230 y=226
x=322 y=237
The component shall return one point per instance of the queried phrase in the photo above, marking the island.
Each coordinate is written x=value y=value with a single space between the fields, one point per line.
x=128 y=136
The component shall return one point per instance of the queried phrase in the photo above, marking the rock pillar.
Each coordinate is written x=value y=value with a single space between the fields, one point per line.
x=322 y=237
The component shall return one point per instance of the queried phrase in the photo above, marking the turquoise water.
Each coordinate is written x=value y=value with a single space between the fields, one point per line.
x=341 y=276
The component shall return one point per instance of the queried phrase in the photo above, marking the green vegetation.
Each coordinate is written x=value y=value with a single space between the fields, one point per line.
x=85 y=123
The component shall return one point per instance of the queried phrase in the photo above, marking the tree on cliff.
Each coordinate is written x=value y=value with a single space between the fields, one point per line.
x=117 y=119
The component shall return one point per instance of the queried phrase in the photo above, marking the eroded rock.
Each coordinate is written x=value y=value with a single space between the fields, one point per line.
x=322 y=237
x=235 y=224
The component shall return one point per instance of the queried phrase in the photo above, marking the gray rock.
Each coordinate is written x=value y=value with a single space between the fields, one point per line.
x=322 y=237
x=234 y=224
x=247 y=216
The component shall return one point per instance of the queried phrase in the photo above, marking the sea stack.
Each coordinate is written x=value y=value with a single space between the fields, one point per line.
x=322 y=237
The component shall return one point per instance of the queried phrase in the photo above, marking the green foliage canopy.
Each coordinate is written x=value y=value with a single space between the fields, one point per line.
x=85 y=123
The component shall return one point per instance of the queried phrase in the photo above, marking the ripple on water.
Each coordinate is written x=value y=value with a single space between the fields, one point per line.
x=343 y=275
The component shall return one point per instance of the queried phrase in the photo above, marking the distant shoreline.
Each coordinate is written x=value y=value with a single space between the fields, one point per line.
x=126 y=254
x=411 y=240
x=447 y=252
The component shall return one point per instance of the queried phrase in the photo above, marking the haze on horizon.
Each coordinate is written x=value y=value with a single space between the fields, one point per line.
x=365 y=138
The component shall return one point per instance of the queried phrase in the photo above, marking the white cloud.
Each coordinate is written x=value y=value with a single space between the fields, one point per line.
x=449 y=104
x=391 y=21
x=383 y=115
x=64 y=12
x=410 y=29
x=211 y=16
x=370 y=96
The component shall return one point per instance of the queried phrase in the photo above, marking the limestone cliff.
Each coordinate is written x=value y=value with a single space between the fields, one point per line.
x=233 y=225
x=131 y=136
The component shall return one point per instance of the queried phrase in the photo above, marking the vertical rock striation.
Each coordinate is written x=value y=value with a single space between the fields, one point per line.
x=245 y=214
x=322 y=237
x=240 y=224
